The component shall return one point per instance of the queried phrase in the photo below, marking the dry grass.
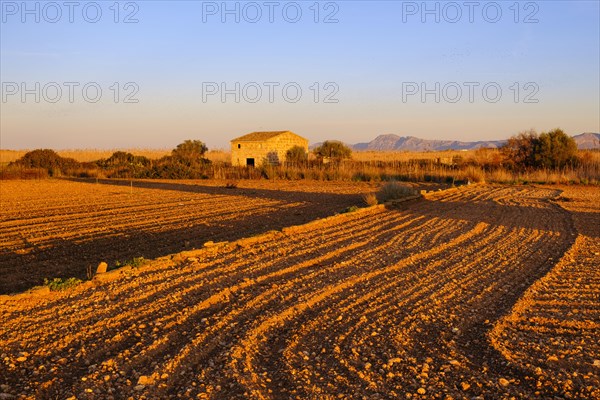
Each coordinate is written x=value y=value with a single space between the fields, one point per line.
x=370 y=199
x=219 y=156
x=406 y=156
x=394 y=191
x=484 y=165
x=7 y=156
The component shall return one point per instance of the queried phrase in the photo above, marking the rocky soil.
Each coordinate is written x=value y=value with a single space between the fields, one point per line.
x=482 y=292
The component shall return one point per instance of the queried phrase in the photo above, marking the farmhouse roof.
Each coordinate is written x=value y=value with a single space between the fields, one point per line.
x=260 y=136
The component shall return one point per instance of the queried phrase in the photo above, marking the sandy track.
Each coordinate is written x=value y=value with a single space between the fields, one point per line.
x=425 y=302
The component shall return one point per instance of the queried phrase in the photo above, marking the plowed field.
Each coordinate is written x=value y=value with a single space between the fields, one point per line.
x=483 y=291
x=59 y=228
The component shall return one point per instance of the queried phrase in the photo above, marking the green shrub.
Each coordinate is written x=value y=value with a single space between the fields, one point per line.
x=527 y=150
x=555 y=149
x=333 y=151
x=190 y=151
x=350 y=209
x=49 y=160
x=296 y=156
x=134 y=262
x=59 y=284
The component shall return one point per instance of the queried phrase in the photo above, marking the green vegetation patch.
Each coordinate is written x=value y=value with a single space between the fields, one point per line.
x=60 y=284
x=134 y=262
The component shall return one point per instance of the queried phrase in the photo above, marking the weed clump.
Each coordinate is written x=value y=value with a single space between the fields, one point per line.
x=134 y=262
x=60 y=284
x=370 y=199
x=394 y=191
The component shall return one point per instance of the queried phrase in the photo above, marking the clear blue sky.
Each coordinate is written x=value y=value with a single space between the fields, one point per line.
x=375 y=56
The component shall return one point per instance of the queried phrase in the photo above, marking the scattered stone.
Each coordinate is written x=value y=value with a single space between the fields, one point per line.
x=421 y=391
x=596 y=363
x=139 y=388
x=454 y=362
x=22 y=359
x=210 y=243
x=455 y=330
x=145 y=380
x=503 y=382
x=552 y=358
x=464 y=386
x=102 y=268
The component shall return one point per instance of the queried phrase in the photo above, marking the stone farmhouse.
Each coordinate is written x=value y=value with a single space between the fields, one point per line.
x=258 y=148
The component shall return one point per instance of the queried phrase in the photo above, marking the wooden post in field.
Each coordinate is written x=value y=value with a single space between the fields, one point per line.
x=131 y=187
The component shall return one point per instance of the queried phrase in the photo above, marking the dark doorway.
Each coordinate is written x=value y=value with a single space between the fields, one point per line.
x=250 y=162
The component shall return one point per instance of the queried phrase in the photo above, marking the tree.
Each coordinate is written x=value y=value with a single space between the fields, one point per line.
x=296 y=156
x=48 y=160
x=185 y=162
x=519 y=150
x=555 y=149
x=119 y=159
x=333 y=150
x=125 y=165
x=190 y=151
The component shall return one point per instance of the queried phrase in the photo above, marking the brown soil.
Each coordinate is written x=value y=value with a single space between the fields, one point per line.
x=59 y=228
x=466 y=293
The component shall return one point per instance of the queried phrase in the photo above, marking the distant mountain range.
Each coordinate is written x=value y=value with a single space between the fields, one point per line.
x=587 y=141
x=410 y=143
